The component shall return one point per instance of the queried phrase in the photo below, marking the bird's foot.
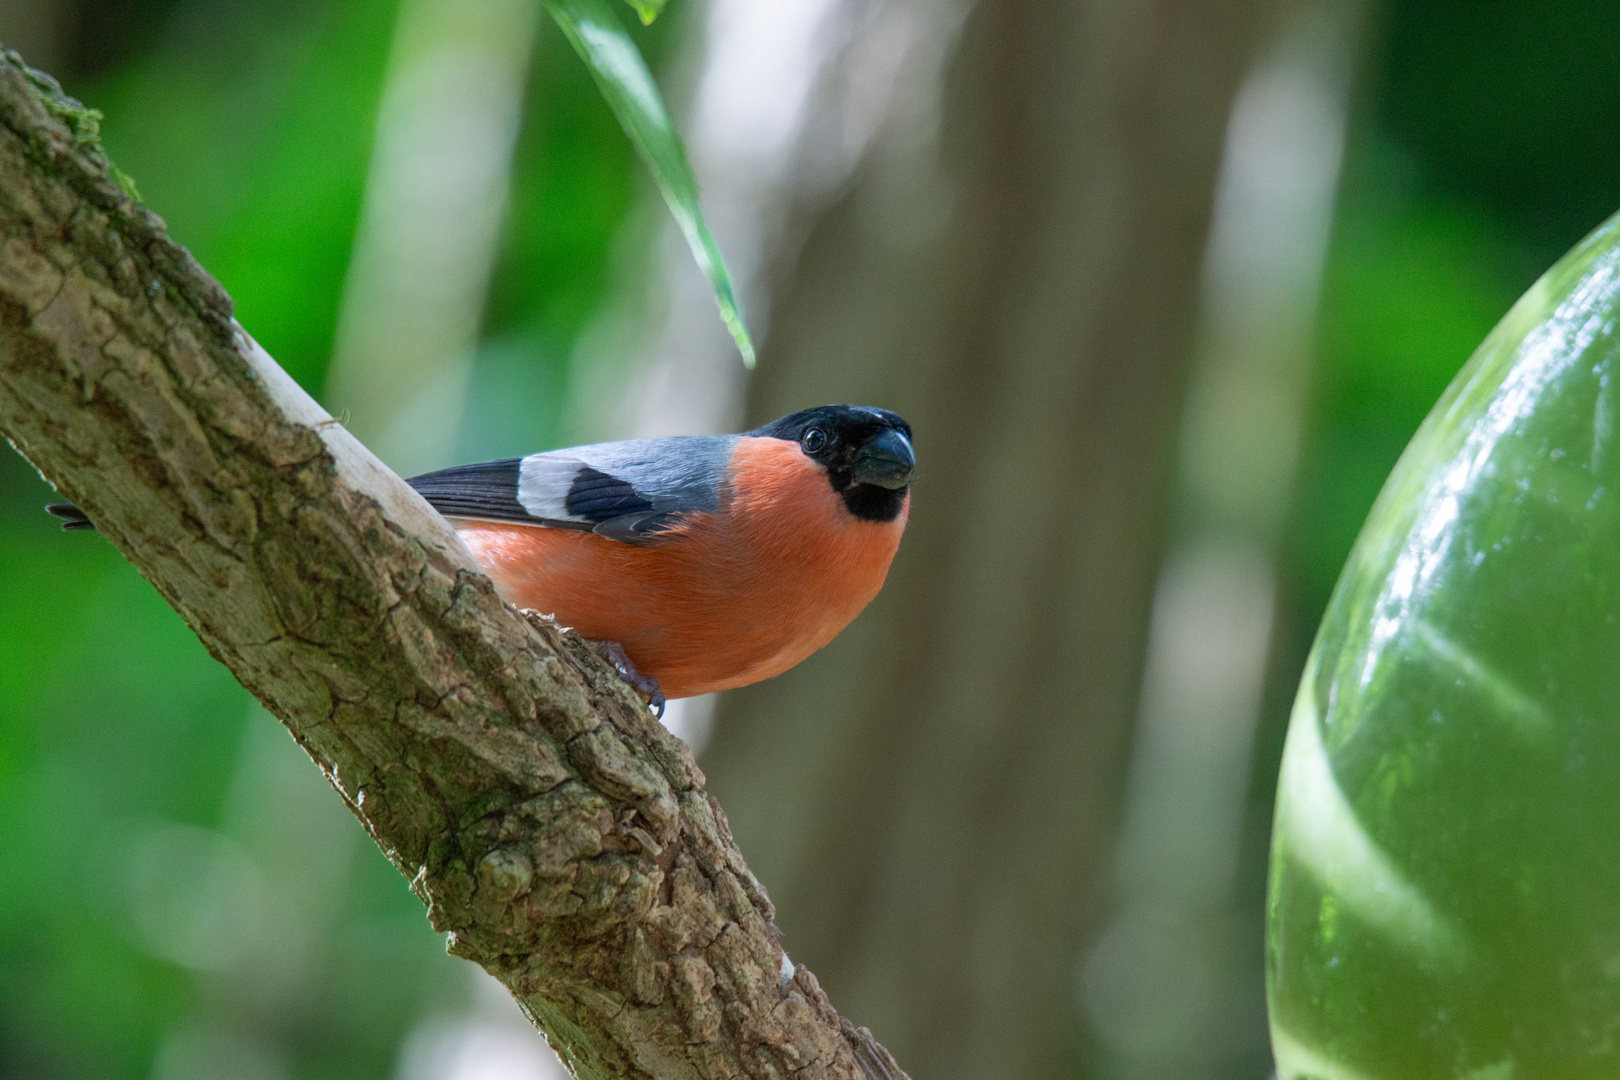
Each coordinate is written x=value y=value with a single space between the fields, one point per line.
x=614 y=653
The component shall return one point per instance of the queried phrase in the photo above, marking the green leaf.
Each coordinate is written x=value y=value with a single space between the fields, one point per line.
x=1445 y=877
x=622 y=75
x=647 y=9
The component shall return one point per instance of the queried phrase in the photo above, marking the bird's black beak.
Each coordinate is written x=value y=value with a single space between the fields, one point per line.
x=886 y=460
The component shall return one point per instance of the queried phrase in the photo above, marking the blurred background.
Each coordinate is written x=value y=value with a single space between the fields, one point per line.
x=1164 y=287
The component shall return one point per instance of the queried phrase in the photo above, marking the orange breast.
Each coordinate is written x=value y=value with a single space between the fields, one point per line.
x=731 y=597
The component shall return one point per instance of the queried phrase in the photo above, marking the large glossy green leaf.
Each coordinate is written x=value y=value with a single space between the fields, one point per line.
x=621 y=73
x=1445 y=878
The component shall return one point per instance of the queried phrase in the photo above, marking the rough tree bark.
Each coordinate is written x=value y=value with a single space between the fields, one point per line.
x=554 y=830
x=933 y=797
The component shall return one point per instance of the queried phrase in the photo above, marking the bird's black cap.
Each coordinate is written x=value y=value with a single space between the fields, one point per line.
x=866 y=451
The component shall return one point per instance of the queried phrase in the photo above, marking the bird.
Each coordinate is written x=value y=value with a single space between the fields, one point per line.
x=692 y=563
x=699 y=563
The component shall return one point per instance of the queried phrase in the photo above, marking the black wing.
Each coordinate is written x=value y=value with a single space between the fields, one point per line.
x=487 y=491
x=628 y=491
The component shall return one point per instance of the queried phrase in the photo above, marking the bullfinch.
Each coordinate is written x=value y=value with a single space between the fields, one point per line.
x=695 y=563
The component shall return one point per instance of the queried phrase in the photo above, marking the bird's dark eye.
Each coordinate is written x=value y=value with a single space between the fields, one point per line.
x=813 y=441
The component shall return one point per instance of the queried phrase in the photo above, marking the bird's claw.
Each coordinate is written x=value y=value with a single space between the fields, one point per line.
x=614 y=653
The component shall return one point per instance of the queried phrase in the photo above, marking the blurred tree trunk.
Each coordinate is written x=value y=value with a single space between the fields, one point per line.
x=1025 y=300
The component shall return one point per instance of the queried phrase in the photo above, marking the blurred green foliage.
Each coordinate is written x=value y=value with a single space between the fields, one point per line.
x=1487 y=144
x=1440 y=225
x=248 y=127
x=1513 y=105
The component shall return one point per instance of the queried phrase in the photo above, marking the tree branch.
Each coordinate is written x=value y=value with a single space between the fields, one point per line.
x=558 y=834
